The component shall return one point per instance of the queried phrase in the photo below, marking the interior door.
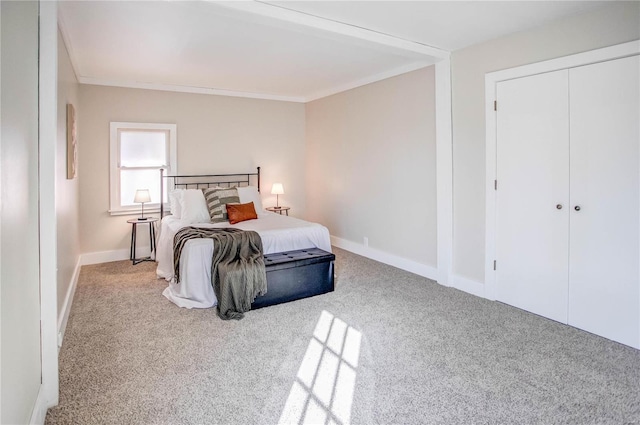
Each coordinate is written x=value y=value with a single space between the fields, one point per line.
x=532 y=229
x=604 y=293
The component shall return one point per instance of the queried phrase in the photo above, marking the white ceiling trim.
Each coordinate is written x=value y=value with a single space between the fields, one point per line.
x=371 y=79
x=232 y=93
x=316 y=23
x=187 y=89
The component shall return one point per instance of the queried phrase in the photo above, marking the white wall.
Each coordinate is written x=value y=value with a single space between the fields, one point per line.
x=611 y=25
x=19 y=257
x=216 y=134
x=371 y=165
x=67 y=216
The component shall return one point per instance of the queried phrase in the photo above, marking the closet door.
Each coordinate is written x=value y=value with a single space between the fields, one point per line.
x=604 y=266
x=532 y=211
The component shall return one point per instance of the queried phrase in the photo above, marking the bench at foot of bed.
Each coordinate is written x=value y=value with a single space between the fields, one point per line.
x=293 y=275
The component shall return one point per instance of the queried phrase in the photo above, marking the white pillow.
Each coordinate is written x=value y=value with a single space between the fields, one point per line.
x=194 y=207
x=250 y=194
x=175 y=198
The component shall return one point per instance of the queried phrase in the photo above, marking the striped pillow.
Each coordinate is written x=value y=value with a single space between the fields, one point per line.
x=217 y=200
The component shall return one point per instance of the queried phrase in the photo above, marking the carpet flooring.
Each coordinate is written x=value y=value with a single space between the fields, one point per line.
x=386 y=347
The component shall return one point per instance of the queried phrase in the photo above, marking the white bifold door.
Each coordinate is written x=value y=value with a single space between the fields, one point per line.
x=567 y=200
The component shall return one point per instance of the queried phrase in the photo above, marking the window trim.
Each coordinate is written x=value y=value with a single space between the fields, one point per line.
x=115 y=207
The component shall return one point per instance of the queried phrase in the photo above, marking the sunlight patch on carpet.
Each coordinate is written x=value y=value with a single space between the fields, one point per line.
x=322 y=392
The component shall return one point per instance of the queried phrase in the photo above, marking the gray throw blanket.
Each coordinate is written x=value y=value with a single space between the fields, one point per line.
x=238 y=274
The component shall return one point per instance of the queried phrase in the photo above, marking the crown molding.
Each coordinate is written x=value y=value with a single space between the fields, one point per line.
x=187 y=89
x=368 y=80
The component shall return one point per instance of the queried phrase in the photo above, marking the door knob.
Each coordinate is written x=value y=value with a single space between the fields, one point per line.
x=577 y=208
x=559 y=206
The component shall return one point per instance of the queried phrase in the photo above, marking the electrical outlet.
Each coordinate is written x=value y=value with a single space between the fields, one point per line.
x=366 y=241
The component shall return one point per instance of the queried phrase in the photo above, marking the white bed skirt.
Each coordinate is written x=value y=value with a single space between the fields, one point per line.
x=278 y=234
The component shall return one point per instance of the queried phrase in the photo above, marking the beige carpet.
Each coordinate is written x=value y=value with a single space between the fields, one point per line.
x=386 y=347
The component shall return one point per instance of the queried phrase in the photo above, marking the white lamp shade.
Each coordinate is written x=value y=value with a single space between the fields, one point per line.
x=277 y=189
x=142 y=196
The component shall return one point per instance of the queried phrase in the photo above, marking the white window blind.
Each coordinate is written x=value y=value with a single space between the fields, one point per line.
x=138 y=152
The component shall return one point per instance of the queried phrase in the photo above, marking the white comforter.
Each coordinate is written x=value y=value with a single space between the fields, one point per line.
x=278 y=233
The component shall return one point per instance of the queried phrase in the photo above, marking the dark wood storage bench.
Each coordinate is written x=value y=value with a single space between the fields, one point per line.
x=293 y=275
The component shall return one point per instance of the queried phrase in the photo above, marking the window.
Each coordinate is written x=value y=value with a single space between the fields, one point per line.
x=138 y=152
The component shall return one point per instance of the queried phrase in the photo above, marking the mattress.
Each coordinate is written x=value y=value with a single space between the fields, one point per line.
x=278 y=233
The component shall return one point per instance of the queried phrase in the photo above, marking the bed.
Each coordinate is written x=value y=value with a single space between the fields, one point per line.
x=279 y=234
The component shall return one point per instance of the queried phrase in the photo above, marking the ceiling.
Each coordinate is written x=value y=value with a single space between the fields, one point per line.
x=284 y=50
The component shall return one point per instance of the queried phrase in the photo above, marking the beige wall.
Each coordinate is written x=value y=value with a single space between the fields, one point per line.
x=363 y=148
x=611 y=25
x=19 y=259
x=215 y=134
x=371 y=165
x=67 y=204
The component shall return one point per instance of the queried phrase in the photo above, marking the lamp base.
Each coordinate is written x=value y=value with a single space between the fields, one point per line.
x=142 y=218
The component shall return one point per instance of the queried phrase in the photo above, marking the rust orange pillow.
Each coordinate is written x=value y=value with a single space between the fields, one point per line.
x=241 y=212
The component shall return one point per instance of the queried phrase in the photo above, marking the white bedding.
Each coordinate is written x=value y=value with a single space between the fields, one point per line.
x=278 y=233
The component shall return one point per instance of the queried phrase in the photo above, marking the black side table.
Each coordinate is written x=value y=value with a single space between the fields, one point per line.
x=279 y=210
x=151 y=221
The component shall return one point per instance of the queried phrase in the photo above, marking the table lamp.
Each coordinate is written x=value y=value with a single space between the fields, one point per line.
x=142 y=196
x=277 y=189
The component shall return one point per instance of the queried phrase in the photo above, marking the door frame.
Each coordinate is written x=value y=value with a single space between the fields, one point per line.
x=618 y=51
x=47 y=136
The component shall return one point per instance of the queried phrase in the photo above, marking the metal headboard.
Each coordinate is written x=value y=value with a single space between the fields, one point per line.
x=201 y=181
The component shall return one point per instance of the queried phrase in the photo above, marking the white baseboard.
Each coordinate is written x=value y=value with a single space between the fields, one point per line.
x=108 y=256
x=104 y=256
x=386 y=258
x=467 y=285
x=39 y=409
x=63 y=316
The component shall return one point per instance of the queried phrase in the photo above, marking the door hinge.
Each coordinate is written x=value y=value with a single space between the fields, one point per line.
x=494 y=264
x=495 y=105
x=495 y=185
